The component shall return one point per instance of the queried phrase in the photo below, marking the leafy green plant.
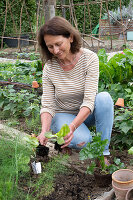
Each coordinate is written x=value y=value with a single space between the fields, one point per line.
x=94 y=151
x=130 y=151
x=31 y=142
x=119 y=69
x=59 y=137
x=29 y=56
x=18 y=104
x=21 y=72
x=123 y=125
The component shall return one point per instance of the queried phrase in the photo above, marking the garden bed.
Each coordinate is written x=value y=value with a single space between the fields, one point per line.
x=73 y=183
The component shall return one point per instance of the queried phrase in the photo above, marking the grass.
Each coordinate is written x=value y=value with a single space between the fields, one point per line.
x=14 y=158
x=16 y=180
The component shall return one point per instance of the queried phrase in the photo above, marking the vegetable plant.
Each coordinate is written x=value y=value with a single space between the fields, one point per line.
x=130 y=151
x=31 y=141
x=123 y=124
x=18 y=104
x=94 y=151
x=119 y=69
x=59 y=137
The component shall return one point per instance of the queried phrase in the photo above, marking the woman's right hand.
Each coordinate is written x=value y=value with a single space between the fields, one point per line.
x=42 y=139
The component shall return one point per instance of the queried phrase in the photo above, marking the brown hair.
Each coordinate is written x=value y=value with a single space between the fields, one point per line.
x=58 y=26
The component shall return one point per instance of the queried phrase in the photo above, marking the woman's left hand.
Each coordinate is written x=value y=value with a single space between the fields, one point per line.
x=68 y=138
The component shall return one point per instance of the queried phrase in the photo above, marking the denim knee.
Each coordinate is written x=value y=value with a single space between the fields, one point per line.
x=82 y=137
x=104 y=101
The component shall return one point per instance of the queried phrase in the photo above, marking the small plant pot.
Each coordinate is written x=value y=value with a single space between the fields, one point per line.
x=35 y=84
x=122 y=179
x=120 y=102
x=42 y=150
x=102 y=180
x=120 y=193
x=129 y=195
x=14 y=42
x=65 y=150
x=57 y=147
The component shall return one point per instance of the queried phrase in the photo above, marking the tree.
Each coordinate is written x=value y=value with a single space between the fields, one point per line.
x=49 y=10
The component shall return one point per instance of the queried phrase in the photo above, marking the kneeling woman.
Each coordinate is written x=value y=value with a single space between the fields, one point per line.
x=70 y=87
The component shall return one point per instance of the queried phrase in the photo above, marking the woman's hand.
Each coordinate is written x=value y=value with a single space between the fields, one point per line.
x=68 y=138
x=42 y=139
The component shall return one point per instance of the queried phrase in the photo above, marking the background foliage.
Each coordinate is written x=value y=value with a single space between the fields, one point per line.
x=94 y=12
x=31 y=6
x=16 y=10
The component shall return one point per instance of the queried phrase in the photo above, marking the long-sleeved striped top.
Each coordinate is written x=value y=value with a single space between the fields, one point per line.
x=68 y=91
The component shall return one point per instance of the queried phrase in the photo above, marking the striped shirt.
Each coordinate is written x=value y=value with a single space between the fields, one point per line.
x=68 y=91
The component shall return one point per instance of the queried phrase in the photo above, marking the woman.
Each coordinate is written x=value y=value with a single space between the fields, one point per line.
x=70 y=86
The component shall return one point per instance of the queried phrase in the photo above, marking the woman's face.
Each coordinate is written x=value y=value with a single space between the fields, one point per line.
x=58 y=45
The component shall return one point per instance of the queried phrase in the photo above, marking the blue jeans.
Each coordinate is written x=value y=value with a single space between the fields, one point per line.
x=102 y=118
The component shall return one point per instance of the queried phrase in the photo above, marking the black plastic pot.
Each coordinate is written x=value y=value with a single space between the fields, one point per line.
x=102 y=180
x=42 y=150
x=14 y=42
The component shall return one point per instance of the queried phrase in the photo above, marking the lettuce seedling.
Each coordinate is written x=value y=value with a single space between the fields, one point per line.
x=31 y=141
x=59 y=137
x=130 y=151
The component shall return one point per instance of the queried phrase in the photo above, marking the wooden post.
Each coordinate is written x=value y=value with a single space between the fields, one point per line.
x=74 y=15
x=46 y=10
x=109 y=23
x=4 y=25
x=52 y=5
x=19 y=46
x=90 y=21
x=42 y=13
x=12 y=17
x=84 y=23
x=49 y=9
x=101 y=5
x=38 y=8
x=122 y=25
x=73 y=21
x=63 y=9
x=30 y=24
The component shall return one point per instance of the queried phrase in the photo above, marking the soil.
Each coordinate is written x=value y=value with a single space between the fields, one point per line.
x=77 y=185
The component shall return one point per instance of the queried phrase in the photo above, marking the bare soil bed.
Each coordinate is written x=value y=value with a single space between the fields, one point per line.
x=77 y=185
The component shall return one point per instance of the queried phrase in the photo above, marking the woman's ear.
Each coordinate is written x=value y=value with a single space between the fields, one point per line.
x=71 y=38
